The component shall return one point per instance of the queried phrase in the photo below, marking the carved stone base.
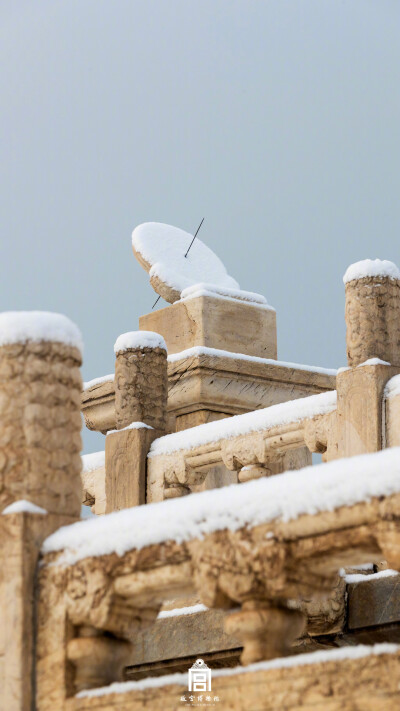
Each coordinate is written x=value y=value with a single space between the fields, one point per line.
x=265 y=632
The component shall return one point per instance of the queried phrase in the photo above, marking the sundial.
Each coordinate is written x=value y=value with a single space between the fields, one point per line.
x=160 y=249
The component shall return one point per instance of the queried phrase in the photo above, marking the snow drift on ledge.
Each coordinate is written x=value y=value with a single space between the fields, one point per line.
x=319 y=657
x=256 y=421
x=284 y=497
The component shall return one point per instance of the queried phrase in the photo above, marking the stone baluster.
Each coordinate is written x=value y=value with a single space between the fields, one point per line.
x=372 y=313
x=141 y=381
x=265 y=631
x=99 y=660
x=373 y=354
x=40 y=467
x=141 y=389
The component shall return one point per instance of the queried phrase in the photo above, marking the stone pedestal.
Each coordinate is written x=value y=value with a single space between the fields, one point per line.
x=360 y=408
x=215 y=322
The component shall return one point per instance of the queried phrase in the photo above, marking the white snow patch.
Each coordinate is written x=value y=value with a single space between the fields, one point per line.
x=164 y=247
x=36 y=326
x=215 y=295
x=360 y=578
x=256 y=421
x=371 y=268
x=98 y=381
x=23 y=506
x=139 y=339
x=250 y=296
x=132 y=426
x=373 y=361
x=392 y=387
x=320 y=657
x=218 y=353
x=93 y=461
x=283 y=497
x=178 y=611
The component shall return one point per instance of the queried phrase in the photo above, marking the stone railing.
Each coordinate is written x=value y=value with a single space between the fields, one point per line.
x=253 y=445
x=272 y=542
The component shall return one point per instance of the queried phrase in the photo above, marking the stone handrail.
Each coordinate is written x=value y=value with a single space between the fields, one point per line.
x=177 y=463
x=93 y=599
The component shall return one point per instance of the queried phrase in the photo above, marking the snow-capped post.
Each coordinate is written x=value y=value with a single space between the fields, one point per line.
x=40 y=467
x=141 y=381
x=372 y=311
x=373 y=354
x=141 y=390
x=40 y=396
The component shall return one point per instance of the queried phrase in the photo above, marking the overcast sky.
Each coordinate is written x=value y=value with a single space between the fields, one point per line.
x=278 y=121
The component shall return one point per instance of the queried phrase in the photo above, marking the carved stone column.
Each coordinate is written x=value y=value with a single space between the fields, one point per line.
x=98 y=659
x=141 y=380
x=40 y=465
x=40 y=394
x=373 y=315
x=141 y=389
x=265 y=631
x=373 y=342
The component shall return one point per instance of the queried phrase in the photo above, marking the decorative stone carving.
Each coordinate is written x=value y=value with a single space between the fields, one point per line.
x=373 y=320
x=40 y=442
x=141 y=383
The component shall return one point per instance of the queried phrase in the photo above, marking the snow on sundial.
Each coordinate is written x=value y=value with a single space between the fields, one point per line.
x=160 y=249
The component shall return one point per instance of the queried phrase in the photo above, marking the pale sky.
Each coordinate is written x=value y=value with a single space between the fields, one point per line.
x=278 y=121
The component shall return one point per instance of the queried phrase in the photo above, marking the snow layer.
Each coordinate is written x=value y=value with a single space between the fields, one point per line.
x=360 y=578
x=373 y=361
x=213 y=289
x=164 y=247
x=178 y=611
x=98 y=381
x=93 y=461
x=214 y=293
x=36 y=326
x=371 y=268
x=292 y=411
x=283 y=497
x=217 y=353
x=23 y=506
x=392 y=387
x=139 y=339
x=320 y=657
x=132 y=426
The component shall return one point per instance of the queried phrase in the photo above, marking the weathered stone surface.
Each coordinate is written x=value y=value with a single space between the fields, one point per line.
x=94 y=490
x=373 y=602
x=373 y=320
x=204 y=388
x=370 y=683
x=141 y=387
x=392 y=414
x=213 y=322
x=360 y=408
x=126 y=456
x=21 y=535
x=40 y=442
